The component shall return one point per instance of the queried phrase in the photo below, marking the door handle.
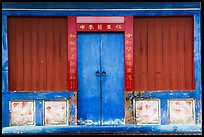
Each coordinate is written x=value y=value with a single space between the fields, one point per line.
x=103 y=73
x=97 y=73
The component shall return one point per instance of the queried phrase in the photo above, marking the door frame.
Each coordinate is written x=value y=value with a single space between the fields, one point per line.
x=100 y=24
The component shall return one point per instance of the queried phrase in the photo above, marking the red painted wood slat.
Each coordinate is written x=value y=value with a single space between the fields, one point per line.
x=56 y=54
x=11 y=54
x=19 y=54
x=158 y=53
x=143 y=53
x=42 y=54
x=27 y=54
x=181 y=57
x=63 y=33
x=188 y=53
x=173 y=53
x=50 y=54
x=166 y=57
x=151 y=53
x=137 y=45
x=34 y=51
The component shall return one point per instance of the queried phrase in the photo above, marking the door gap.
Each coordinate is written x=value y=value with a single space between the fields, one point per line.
x=100 y=47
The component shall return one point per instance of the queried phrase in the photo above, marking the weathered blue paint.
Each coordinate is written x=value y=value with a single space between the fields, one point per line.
x=4 y=81
x=99 y=13
x=5 y=112
x=163 y=95
x=164 y=111
x=100 y=5
x=73 y=109
x=197 y=67
x=4 y=56
x=88 y=47
x=100 y=98
x=38 y=97
x=146 y=129
x=39 y=112
x=112 y=63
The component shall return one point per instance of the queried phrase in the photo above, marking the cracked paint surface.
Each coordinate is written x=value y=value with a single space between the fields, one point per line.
x=21 y=113
x=55 y=112
x=129 y=96
x=181 y=112
x=73 y=109
x=147 y=112
x=128 y=107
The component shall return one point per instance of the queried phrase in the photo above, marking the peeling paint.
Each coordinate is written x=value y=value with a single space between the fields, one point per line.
x=128 y=107
x=73 y=109
x=114 y=122
x=4 y=81
x=88 y=122
x=55 y=112
x=110 y=122
x=21 y=113
x=5 y=66
x=181 y=112
x=147 y=111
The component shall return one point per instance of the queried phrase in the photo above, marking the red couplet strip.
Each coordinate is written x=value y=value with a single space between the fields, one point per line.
x=129 y=81
x=72 y=56
x=74 y=26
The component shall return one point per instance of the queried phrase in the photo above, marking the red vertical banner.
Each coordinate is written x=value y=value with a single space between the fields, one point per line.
x=72 y=53
x=129 y=81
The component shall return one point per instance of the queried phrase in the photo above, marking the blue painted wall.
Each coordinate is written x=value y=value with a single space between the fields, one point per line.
x=100 y=5
x=163 y=128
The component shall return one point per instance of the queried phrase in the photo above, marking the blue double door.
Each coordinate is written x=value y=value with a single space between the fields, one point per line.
x=100 y=78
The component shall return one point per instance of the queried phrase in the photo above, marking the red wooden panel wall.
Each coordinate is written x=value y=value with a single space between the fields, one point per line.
x=163 y=53
x=37 y=53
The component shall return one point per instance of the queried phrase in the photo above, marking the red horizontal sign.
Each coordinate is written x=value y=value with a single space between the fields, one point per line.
x=100 y=27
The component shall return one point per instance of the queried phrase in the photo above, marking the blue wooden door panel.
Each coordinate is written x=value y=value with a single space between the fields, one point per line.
x=88 y=83
x=100 y=98
x=112 y=62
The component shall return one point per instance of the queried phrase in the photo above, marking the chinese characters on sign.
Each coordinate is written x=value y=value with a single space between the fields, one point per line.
x=74 y=27
x=100 y=27
x=72 y=80
x=129 y=53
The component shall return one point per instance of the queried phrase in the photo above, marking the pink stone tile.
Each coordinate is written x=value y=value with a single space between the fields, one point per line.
x=55 y=113
x=21 y=113
x=147 y=112
x=181 y=112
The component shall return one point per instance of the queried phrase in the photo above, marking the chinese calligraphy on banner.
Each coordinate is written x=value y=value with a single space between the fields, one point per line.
x=73 y=28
